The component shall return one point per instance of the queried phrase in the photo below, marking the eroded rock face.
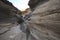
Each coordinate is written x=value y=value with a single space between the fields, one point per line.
x=45 y=22
x=6 y=11
x=8 y=21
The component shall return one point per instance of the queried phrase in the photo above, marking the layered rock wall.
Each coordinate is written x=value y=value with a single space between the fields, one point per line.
x=45 y=22
x=8 y=19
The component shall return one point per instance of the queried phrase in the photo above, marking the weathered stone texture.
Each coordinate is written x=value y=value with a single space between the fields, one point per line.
x=45 y=22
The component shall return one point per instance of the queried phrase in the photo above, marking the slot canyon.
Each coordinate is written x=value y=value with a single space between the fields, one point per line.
x=41 y=21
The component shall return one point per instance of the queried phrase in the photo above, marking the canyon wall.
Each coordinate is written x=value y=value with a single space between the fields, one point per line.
x=45 y=21
x=7 y=11
x=8 y=21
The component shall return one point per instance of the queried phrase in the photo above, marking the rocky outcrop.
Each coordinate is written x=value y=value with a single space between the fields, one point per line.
x=45 y=22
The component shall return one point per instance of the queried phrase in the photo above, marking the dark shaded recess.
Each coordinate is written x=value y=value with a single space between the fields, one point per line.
x=34 y=3
x=20 y=20
x=4 y=12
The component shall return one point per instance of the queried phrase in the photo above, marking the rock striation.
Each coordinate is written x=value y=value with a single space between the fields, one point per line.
x=8 y=19
x=45 y=22
x=7 y=11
